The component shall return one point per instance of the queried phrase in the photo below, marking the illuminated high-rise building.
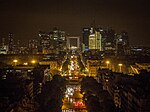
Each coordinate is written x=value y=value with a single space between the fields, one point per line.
x=122 y=43
x=3 y=47
x=33 y=46
x=92 y=41
x=44 y=44
x=58 y=39
x=85 y=39
x=95 y=41
x=17 y=47
x=10 y=43
x=108 y=38
x=3 y=42
x=57 y=34
x=53 y=42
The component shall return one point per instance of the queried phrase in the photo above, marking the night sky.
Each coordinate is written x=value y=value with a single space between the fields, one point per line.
x=25 y=18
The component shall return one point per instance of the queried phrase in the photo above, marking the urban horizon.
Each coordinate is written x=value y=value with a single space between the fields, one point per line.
x=74 y=56
x=24 y=41
x=26 y=18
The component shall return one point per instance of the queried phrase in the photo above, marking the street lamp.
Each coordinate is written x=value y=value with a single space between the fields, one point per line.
x=33 y=61
x=15 y=61
x=25 y=63
x=120 y=67
x=107 y=62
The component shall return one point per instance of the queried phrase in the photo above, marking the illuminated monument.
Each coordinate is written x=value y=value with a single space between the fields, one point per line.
x=73 y=42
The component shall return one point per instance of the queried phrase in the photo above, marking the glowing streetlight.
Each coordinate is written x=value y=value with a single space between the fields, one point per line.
x=107 y=62
x=25 y=63
x=120 y=67
x=33 y=61
x=15 y=61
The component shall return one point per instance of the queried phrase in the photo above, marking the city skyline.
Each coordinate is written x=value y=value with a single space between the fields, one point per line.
x=26 y=18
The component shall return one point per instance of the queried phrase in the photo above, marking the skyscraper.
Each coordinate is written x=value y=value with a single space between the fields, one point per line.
x=108 y=37
x=85 y=39
x=105 y=38
x=33 y=46
x=10 y=43
x=53 y=42
x=122 y=43
x=95 y=41
x=3 y=47
x=3 y=42
x=58 y=39
x=44 y=44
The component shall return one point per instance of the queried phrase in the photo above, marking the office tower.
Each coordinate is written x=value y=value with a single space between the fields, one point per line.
x=44 y=44
x=3 y=47
x=108 y=37
x=122 y=43
x=53 y=42
x=10 y=43
x=3 y=42
x=59 y=39
x=33 y=46
x=85 y=39
x=17 y=47
x=95 y=41
x=103 y=36
x=92 y=41
x=98 y=40
x=109 y=42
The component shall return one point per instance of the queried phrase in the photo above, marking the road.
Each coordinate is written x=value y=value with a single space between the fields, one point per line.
x=72 y=101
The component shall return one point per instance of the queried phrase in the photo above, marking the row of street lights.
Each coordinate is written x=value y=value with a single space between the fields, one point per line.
x=15 y=61
x=120 y=65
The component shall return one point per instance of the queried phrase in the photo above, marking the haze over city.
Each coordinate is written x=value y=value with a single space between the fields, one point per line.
x=25 y=18
x=74 y=56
